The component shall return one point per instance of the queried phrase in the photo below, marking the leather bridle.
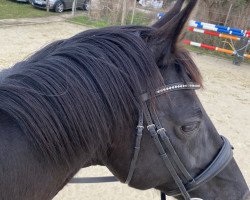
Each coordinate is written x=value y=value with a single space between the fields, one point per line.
x=159 y=135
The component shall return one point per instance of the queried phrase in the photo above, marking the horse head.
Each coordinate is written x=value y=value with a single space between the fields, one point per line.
x=123 y=97
x=191 y=142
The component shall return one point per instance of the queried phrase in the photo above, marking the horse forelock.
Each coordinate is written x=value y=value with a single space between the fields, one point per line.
x=71 y=96
x=184 y=59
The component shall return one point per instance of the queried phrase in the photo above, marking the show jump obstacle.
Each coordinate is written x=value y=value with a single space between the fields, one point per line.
x=225 y=32
x=242 y=37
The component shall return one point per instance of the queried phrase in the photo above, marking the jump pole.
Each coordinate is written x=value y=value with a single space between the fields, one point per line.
x=212 y=48
x=219 y=29
x=197 y=30
x=216 y=28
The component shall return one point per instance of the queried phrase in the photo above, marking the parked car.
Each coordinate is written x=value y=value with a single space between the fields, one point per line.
x=61 y=5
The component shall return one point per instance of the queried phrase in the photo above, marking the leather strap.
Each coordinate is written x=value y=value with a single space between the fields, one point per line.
x=163 y=155
x=219 y=163
x=164 y=137
x=137 y=147
x=163 y=196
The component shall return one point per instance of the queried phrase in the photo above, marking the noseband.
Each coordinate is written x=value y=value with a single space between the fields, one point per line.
x=159 y=136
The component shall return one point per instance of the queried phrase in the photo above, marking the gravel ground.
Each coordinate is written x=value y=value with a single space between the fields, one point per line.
x=226 y=98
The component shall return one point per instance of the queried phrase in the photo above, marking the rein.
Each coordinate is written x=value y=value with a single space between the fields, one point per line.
x=158 y=133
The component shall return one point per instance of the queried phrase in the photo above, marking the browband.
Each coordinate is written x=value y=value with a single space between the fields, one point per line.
x=170 y=88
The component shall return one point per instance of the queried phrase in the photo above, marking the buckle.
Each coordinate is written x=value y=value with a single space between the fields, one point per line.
x=160 y=130
x=151 y=127
x=140 y=128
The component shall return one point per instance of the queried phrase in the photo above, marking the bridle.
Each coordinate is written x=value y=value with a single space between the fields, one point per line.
x=170 y=158
x=160 y=137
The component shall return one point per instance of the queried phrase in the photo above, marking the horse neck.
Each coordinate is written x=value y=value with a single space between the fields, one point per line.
x=24 y=173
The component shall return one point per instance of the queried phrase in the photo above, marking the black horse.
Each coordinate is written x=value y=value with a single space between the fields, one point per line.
x=77 y=102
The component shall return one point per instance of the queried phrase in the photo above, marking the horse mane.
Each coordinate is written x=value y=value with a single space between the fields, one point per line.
x=70 y=96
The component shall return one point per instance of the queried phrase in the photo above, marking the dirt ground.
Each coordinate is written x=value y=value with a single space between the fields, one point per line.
x=226 y=98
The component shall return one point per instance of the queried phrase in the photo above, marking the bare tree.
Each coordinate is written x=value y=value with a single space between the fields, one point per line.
x=124 y=11
x=133 y=12
x=74 y=7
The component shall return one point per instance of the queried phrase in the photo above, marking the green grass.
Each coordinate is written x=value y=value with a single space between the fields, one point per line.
x=10 y=9
x=86 y=21
x=139 y=19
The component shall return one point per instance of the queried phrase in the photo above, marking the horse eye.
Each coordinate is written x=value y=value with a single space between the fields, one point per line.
x=190 y=127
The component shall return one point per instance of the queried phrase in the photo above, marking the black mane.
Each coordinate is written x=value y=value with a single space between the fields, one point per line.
x=70 y=95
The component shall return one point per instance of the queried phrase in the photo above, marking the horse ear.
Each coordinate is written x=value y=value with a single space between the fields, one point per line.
x=167 y=30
